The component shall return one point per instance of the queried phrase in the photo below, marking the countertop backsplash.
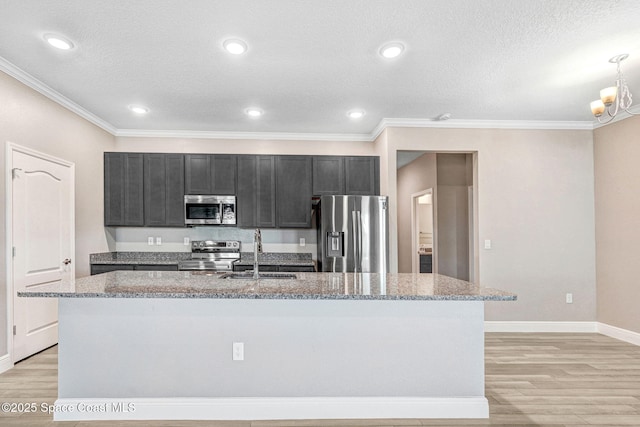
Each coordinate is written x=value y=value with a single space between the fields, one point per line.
x=135 y=239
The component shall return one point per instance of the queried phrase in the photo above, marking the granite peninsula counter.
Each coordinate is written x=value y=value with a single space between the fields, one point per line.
x=164 y=345
x=317 y=286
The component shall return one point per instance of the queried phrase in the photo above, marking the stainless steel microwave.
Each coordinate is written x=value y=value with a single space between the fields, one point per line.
x=209 y=210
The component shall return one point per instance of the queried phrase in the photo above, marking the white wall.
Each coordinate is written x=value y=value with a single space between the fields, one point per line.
x=30 y=119
x=617 y=150
x=536 y=204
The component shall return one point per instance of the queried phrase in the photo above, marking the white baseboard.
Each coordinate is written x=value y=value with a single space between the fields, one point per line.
x=5 y=363
x=273 y=408
x=495 y=326
x=619 y=333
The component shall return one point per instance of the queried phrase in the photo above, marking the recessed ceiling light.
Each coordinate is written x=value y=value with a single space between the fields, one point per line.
x=235 y=46
x=391 y=50
x=138 y=109
x=356 y=114
x=253 y=112
x=58 y=42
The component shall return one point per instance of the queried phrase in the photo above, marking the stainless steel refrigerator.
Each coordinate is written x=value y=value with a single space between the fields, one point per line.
x=353 y=234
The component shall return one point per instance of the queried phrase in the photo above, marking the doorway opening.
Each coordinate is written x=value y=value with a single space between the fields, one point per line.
x=422 y=232
x=450 y=178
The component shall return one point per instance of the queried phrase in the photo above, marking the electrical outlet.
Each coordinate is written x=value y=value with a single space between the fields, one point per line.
x=186 y=241
x=487 y=244
x=158 y=241
x=302 y=241
x=238 y=351
x=150 y=241
x=569 y=298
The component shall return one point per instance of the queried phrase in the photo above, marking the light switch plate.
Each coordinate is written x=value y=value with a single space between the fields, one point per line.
x=487 y=244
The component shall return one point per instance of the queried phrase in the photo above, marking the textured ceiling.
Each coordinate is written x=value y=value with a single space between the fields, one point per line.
x=309 y=62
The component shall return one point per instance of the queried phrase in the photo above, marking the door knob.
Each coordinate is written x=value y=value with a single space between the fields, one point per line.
x=66 y=261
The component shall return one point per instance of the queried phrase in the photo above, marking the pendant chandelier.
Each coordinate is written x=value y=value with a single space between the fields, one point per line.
x=615 y=98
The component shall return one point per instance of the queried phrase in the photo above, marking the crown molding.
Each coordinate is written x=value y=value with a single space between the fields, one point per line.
x=481 y=124
x=283 y=136
x=52 y=94
x=622 y=115
x=55 y=96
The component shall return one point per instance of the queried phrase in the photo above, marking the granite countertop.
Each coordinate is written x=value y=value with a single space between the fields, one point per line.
x=307 y=286
x=173 y=258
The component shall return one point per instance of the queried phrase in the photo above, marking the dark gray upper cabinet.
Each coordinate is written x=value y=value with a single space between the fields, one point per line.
x=210 y=174
x=266 y=191
x=256 y=197
x=123 y=189
x=328 y=175
x=164 y=190
x=293 y=191
x=197 y=174
x=246 y=197
x=362 y=175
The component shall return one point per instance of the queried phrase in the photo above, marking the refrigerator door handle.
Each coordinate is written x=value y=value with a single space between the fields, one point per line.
x=354 y=227
x=359 y=217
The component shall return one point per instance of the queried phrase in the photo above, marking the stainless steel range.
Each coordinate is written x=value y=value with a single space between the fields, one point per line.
x=212 y=255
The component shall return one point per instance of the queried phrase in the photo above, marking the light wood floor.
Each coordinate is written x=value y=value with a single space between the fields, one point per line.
x=531 y=379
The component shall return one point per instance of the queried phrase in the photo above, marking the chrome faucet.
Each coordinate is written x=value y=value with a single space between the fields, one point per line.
x=257 y=248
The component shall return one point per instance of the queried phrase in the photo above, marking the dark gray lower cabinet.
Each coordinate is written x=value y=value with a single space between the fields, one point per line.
x=293 y=191
x=164 y=190
x=123 y=189
x=277 y=268
x=362 y=175
x=256 y=197
x=426 y=263
x=105 y=268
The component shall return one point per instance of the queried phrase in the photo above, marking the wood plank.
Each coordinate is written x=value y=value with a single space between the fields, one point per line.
x=531 y=380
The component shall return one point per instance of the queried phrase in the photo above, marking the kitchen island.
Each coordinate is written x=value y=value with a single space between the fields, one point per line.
x=161 y=345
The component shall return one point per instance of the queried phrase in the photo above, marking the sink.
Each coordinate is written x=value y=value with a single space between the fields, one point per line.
x=249 y=276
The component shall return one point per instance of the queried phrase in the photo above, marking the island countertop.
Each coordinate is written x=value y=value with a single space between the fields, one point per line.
x=306 y=286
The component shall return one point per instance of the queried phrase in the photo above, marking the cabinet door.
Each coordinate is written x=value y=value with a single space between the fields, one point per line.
x=156 y=267
x=328 y=175
x=256 y=198
x=265 y=191
x=223 y=174
x=164 y=190
x=297 y=268
x=123 y=189
x=362 y=176
x=106 y=268
x=197 y=174
x=293 y=184
x=175 y=190
x=246 y=198
x=210 y=174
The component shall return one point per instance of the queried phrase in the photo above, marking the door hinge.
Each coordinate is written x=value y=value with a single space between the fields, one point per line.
x=14 y=330
x=13 y=251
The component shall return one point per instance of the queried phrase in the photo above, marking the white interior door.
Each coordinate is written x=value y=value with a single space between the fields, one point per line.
x=42 y=224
